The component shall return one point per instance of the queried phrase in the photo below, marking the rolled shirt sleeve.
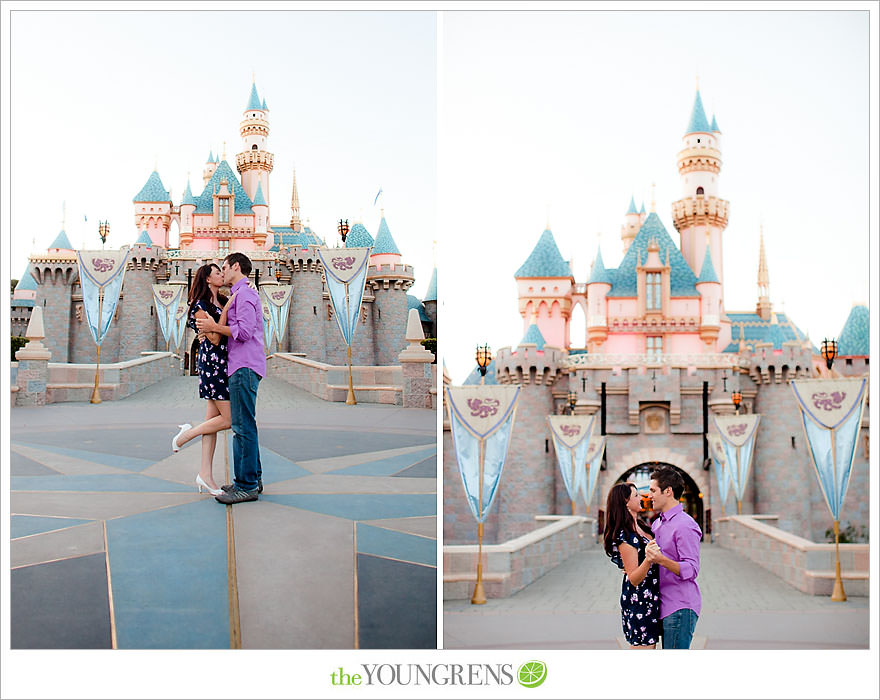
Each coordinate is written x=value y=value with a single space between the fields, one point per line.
x=687 y=543
x=243 y=324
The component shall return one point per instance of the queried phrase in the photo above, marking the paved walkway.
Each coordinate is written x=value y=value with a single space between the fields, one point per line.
x=113 y=547
x=575 y=606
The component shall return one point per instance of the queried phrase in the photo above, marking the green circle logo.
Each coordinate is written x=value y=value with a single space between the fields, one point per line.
x=531 y=674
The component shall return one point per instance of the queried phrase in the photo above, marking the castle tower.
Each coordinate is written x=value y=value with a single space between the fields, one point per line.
x=152 y=210
x=389 y=279
x=710 y=309
x=210 y=167
x=632 y=222
x=56 y=274
x=764 y=308
x=385 y=250
x=187 y=209
x=261 y=217
x=598 y=287
x=255 y=162
x=430 y=300
x=137 y=320
x=295 y=220
x=544 y=284
x=700 y=210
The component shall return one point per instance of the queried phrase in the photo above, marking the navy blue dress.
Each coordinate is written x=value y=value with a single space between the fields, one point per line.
x=639 y=605
x=212 y=359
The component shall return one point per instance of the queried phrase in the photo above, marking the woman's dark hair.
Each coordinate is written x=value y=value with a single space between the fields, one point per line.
x=617 y=516
x=200 y=291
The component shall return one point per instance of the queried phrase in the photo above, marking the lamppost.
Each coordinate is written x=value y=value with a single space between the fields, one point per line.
x=484 y=357
x=342 y=227
x=737 y=398
x=829 y=352
x=103 y=231
x=572 y=401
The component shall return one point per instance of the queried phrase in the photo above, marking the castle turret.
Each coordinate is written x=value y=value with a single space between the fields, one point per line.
x=295 y=220
x=545 y=286
x=261 y=217
x=210 y=167
x=632 y=222
x=187 y=209
x=700 y=209
x=764 y=308
x=385 y=250
x=598 y=286
x=152 y=210
x=389 y=279
x=255 y=162
x=710 y=309
x=137 y=320
x=61 y=244
x=430 y=300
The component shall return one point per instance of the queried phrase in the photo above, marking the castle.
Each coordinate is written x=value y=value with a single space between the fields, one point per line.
x=232 y=213
x=662 y=353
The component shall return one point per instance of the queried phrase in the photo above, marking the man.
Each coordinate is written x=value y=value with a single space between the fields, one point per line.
x=247 y=366
x=676 y=548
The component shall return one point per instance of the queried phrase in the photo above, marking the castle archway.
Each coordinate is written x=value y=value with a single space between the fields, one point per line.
x=691 y=498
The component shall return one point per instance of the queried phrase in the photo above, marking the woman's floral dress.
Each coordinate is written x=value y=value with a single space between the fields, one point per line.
x=639 y=605
x=212 y=359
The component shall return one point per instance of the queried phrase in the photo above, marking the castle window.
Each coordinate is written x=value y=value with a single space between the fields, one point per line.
x=654 y=347
x=698 y=140
x=699 y=190
x=254 y=147
x=223 y=247
x=224 y=210
x=653 y=292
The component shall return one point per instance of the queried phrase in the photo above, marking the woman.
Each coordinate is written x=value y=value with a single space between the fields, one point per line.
x=625 y=540
x=205 y=300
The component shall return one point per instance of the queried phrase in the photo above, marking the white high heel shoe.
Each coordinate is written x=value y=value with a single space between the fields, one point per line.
x=183 y=429
x=201 y=482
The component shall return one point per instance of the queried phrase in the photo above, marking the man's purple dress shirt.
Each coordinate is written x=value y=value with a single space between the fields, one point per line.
x=678 y=536
x=245 y=321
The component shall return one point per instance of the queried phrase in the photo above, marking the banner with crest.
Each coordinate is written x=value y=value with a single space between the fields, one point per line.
x=737 y=435
x=482 y=420
x=594 y=463
x=571 y=438
x=166 y=298
x=722 y=473
x=831 y=413
x=277 y=298
x=181 y=315
x=345 y=271
x=268 y=322
x=101 y=273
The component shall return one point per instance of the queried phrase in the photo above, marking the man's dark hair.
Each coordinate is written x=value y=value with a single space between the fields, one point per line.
x=244 y=262
x=666 y=477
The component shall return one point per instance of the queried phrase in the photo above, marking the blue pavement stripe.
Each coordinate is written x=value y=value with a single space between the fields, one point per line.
x=169 y=575
x=136 y=483
x=387 y=466
x=396 y=545
x=426 y=469
x=276 y=467
x=23 y=525
x=361 y=506
x=24 y=466
x=123 y=462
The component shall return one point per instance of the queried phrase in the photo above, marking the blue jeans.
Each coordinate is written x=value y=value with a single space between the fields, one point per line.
x=678 y=629
x=243 y=385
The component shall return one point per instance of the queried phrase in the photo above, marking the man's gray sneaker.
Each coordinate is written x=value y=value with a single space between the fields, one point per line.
x=237 y=495
x=229 y=487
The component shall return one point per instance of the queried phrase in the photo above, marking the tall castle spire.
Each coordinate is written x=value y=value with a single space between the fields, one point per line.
x=764 y=309
x=295 y=221
x=254 y=163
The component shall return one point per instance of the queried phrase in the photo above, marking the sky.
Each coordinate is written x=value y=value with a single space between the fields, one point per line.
x=98 y=99
x=566 y=115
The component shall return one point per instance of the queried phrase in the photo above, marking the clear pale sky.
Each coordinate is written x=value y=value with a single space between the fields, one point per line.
x=572 y=113
x=100 y=98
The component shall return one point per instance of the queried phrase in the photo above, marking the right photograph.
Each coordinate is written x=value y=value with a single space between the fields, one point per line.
x=656 y=356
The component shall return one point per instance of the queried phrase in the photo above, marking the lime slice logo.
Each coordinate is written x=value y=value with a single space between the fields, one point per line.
x=532 y=673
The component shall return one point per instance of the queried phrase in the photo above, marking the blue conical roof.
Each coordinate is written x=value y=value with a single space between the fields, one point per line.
x=254 y=102
x=431 y=294
x=707 y=272
x=153 y=191
x=384 y=242
x=258 y=197
x=187 y=196
x=414 y=303
x=682 y=278
x=144 y=239
x=600 y=274
x=698 y=117
x=854 y=338
x=545 y=260
x=27 y=281
x=211 y=156
x=632 y=206
x=62 y=241
x=205 y=201
x=265 y=108
x=714 y=126
x=533 y=336
x=642 y=210
x=358 y=237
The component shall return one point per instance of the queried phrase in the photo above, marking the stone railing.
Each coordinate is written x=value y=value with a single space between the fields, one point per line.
x=75 y=382
x=511 y=566
x=378 y=384
x=711 y=360
x=806 y=565
x=190 y=254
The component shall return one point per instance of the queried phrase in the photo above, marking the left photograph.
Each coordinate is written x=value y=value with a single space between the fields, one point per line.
x=224 y=329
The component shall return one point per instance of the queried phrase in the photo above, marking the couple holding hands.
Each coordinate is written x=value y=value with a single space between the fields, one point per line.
x=660 y=595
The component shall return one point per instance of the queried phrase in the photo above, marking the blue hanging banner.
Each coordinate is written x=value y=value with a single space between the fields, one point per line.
x=268 y=321
x=722 y=473
x=831 y=413
x=571 y=438
x=101 y=273
x=738 y=440
x=594 y=463
x=166 y=298
x=481 y=418
x=181 y=315
x=278 y=297
x=345 y=272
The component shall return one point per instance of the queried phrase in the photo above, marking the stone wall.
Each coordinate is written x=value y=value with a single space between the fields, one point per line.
x=390 y=312
x=75 y=382
x=330 y=382
x=511 y=566
x=806 y=565
x=54 y=295
x=305 y=326
x=138 y=327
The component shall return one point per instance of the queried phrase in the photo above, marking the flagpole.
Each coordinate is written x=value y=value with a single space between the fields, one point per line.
x=350 y=399
x=96 y=395
x=479 y=597
x=837 y=594
x=572 y=481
